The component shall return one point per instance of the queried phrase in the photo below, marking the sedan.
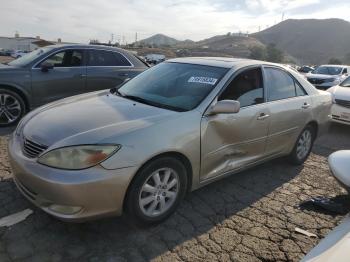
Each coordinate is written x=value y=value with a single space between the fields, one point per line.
x=341 y=102
x=58 y=71
x=172 y=129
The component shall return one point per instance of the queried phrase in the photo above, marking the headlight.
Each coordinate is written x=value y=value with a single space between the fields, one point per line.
x=78 y=157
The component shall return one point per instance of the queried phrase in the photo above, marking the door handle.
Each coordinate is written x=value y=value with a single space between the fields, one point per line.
x=305 y=106
x=79 y=76
x=124 y=74
x=263 y=116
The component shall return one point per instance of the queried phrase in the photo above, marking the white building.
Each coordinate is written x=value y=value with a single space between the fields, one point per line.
x=22 y=43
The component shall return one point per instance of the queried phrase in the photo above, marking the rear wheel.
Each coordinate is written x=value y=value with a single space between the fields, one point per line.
x=12 y=108
x=303 y=146
x=156 y=191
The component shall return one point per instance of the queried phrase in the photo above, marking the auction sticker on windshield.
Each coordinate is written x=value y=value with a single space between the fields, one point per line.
x=203 y=80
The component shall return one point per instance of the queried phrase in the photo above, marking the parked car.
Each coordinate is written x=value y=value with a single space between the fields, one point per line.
x=305 y=69
x=339 y=164
x=154 y=58
x=326 y=76
x=341 y=102
x=18 y=53
x=5 y=52
x=59 y=71
x=172 y=129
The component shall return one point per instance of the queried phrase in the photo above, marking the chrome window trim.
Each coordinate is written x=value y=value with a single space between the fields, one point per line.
x=82 y=48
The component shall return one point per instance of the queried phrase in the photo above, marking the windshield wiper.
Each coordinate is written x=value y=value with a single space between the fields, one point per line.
x=151 y=103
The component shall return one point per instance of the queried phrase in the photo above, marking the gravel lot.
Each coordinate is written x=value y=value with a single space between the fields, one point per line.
x=5 y=59
x=250 y=216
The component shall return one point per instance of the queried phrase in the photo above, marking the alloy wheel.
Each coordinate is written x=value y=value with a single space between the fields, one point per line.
x=304 y=144
x=159 y=192
x=10 y=109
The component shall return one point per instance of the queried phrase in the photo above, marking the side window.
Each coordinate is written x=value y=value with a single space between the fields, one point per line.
x=106 y=58
x=345 y=71
x=68 y=58
x=299 y=90
x=280 y=85
x=247 y=88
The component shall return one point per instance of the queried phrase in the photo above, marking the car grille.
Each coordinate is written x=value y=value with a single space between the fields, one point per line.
x=32 y=149
x=316 y=81
x=343 y=103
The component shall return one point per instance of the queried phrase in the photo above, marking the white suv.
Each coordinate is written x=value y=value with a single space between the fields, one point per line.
x=326 y=76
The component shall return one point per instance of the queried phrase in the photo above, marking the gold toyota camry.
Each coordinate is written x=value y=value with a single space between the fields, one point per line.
x=176 y=127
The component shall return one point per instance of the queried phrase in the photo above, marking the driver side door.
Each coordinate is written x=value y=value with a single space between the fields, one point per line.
x=66 y=78
x=232 y=141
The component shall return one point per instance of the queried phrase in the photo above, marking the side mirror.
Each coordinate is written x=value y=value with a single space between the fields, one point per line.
x=45 y=67
x=225 y=107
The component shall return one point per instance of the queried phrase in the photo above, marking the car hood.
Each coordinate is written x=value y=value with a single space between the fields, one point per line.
x=319 y=76
x=89 y=119
x=339 y=92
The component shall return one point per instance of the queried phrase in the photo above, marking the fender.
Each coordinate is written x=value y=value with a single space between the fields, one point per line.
x=22 y=91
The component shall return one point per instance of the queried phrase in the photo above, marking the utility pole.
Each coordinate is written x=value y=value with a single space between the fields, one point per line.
x=282 y=16
x=136 y=38
x=112 y=38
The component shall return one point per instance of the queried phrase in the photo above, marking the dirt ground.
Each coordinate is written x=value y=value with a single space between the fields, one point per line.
x=250 y=216
x=5 y=59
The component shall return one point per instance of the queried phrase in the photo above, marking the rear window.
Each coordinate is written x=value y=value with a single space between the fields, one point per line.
x=107 y=58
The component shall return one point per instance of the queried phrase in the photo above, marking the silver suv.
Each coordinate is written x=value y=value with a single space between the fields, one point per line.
x=59 y=71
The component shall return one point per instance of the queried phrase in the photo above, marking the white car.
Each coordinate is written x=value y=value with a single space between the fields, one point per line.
x=341 y=102
x=326 y=76
x=19 y=53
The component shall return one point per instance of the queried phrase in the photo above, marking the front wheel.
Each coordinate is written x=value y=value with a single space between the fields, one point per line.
x=156 y=191
x=303 y=146
x=12 y=108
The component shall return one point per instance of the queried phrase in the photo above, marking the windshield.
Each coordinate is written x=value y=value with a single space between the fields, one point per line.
x=28 y=58
x=328 y=70
x=175 y=86
x=346 y=82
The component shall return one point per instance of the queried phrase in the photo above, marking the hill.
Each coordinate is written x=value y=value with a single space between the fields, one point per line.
x=311 y=41
x=221 y=45
x=159 y=40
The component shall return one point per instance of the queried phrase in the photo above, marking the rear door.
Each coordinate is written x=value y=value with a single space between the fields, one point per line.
x=232 y=141
x=107 y=69
x=289 y=109
x=66 y=78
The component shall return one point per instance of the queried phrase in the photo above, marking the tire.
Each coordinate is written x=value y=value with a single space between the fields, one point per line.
x=148 y=202
x=12 y=108
x=303 y=146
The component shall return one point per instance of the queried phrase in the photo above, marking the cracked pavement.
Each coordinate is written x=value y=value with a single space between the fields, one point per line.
x=249 y=216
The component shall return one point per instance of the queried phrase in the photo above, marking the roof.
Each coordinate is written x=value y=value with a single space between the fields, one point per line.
x=85 y=46
x=225 y=62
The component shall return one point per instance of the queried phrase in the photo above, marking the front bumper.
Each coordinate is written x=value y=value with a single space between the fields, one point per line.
x=97 y=191
x=340 y=114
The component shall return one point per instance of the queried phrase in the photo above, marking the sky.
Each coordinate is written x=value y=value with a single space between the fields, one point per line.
x=81 y=20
